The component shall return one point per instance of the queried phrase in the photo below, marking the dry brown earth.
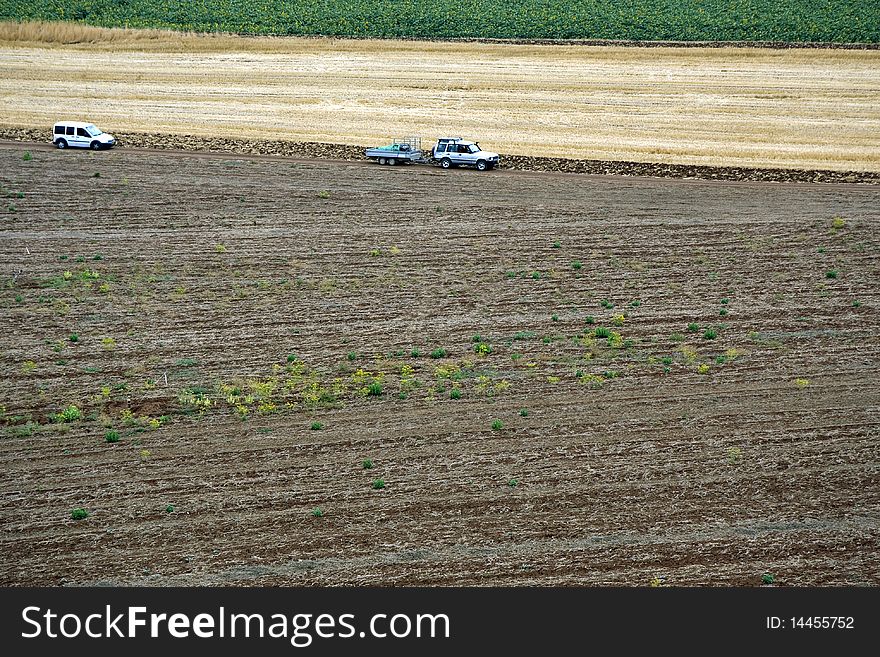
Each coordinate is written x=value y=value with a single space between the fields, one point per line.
x=217 y=268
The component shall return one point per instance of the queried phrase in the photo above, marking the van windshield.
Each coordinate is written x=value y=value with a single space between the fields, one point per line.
x=93 y=131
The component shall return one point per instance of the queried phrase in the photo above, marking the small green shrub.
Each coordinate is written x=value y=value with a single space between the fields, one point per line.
x=317 y=513
x=455 y=393
x=352 y=355
x=28 y=156
x=554 y=318
x=378 y=484
x=693 y=328
x=710 y=334
x=415 y=353
x=767 y=578
x=576 y=265
x=316 y=426
x=602 y=332
x=69 y=414
x=590 y=319
x=439 y=352
x=111 y=437
x=497 y=425
x=73 y=337
x=512 y=483
x=374 y=389
x=557 y=245
x=291 y=358
x=367 y=464
x=169 y=508
x=524 y=412
x=831 y=273
x=79 y=514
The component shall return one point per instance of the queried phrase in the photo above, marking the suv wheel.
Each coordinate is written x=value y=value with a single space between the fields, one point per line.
x=446 y=163
x=481 y=165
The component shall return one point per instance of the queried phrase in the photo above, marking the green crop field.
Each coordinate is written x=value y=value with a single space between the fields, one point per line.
x=679 y=20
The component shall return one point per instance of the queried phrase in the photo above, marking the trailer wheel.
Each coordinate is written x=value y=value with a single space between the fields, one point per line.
x=481 y=165
x=446 y=163
x=392 y=161
x=61 y=143
x=381 y=160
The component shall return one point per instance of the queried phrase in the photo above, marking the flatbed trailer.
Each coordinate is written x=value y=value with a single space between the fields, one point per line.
x=406 y=150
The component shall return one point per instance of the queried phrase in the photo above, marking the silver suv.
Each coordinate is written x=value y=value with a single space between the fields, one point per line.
x=454 y=151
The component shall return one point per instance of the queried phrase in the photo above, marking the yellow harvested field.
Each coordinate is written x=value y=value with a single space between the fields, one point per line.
x=801 y=108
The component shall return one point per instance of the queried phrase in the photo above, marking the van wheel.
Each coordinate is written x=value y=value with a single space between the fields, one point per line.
x=481 y=165
x=392 y=161
x=61 y=144
x=95 y=145
x=446 y=163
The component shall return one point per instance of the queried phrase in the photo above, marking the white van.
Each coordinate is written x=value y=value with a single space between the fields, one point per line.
x=77 y=134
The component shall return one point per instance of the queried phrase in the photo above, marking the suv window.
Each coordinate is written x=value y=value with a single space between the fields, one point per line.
x=81 y=132
x=70 y=129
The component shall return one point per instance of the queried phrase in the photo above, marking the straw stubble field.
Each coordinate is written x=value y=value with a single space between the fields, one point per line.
x=557 y=379
x=801 y=108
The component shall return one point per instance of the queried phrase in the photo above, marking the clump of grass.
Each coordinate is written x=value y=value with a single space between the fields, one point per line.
x=439 y=352
x=577 y=265
x=666 y=360
x=291 y=358
x=722 y=312
x=554 y=318
x=693 y=327
x=69 y=414
x=220 y=248
x=455 y=393
x=602 y=332
x=557 y=245
x=497 y=425
x=28 y=156
x=316 y=426
x=352 y=355
x=483 y=348
x=590 y=319
x=831 y=273
x=734 y=454
x=605 y=303
x=710 y=334
x=725 y=301
x=79 y=514
x=374 y=389
x=512 y=483
x=524 y=412
x=18 y=298
x=415 y=353
x=378 y=484
x=767 y=579
x=802 y=383
x=375 y=252
x=73 y=337
x=317 y=513
x=324 y=193
x=169 y=508
x=838 y=222
x=536 y=275
x=635 y=303
x=111 y=437
x=367 y=464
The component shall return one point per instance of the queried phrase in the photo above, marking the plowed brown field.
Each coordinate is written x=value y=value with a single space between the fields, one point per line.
x=210 y=309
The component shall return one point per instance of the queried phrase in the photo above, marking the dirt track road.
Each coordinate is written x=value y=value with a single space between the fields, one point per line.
x=282 y=291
